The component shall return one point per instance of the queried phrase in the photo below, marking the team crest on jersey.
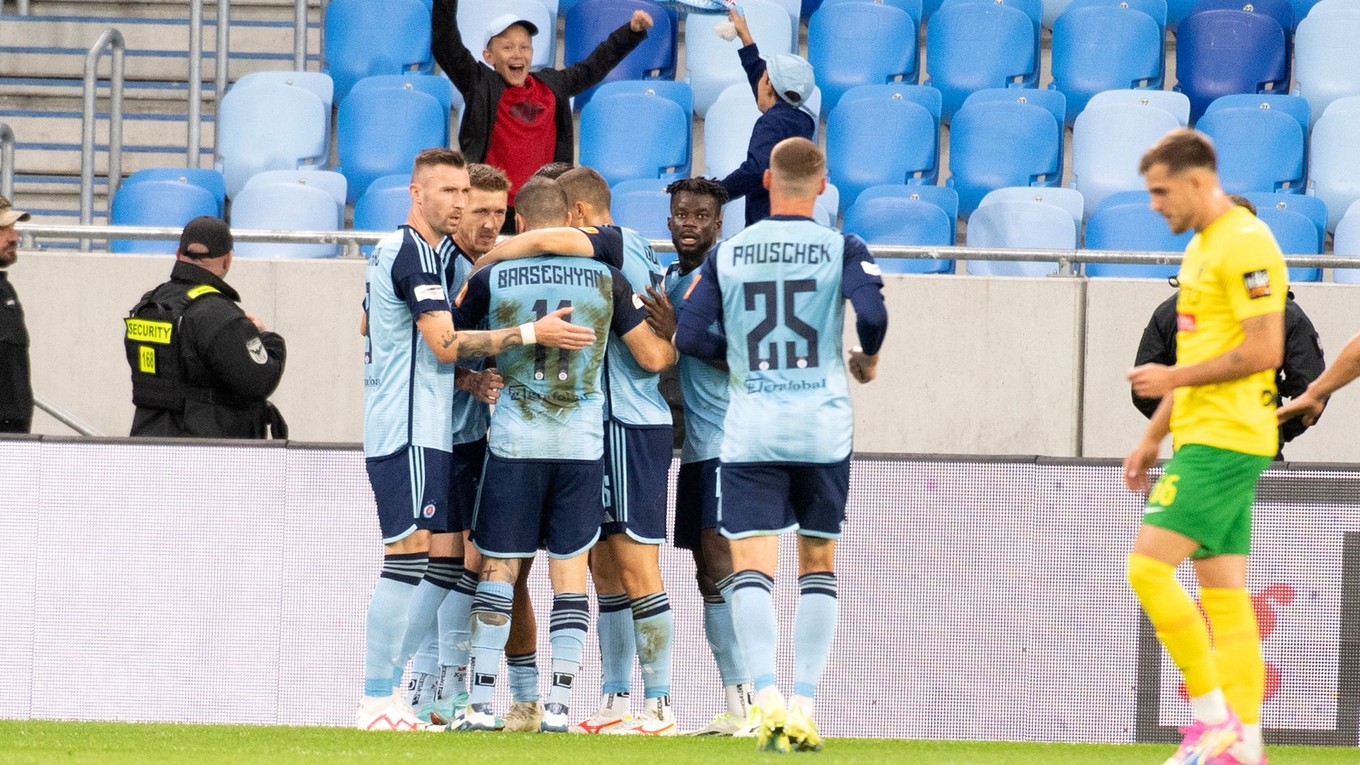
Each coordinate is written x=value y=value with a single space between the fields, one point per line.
x=428 y=510
x=1185 y=322
x=255 y=347
x=1257 y=284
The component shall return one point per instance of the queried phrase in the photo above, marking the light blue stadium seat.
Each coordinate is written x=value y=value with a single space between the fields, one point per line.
x=853 y=44
x=331 y=182
x=435 y=85
x=381 y=209
x=727 y=130
x=1067 y=199
x=589 y=23
x=943 y=197
x=317 y=82
x=1310 y=207
x=269 y=127
x=1052 y=10
x=473 y=19
x=970 y=47
x=1346 y=242
x=859 y=130
x=157 y=203
x=284 y=207
x=207 y=179
x=712 y=63
x=1019 y=225
x=1334 y=157
x=1000 y=143
x=363 y=38
x=1297 y=236
x=1302 y=9
x=903 y=220
x=393 y=180
x=1169 y=101
x=1104 y=48
x=655 y=130
x=1258 y=149
x=1051 y=100
x=1324 y=57
x=380 y=132
x=1221 y=52
x=679 y=92
x=1131 y=227
x=1295 y=107
x=1107 y=144
x=642 y=205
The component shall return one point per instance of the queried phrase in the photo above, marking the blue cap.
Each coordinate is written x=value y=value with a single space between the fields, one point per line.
x=791 y=77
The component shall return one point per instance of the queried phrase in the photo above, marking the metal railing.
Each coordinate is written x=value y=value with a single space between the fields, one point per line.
x=300 y=35
x=109 y=42
x=6 y=161
x=195 y=116
x=22 y=6
x=64 y=416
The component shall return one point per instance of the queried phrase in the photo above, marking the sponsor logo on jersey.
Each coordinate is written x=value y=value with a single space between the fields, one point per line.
x=1257 y=284
x=429 y=292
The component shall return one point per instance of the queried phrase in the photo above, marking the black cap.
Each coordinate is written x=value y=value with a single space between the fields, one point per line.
x=206 y=231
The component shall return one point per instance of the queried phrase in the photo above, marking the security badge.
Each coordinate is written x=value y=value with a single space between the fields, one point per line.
x=1257 y=284
x=255 y=346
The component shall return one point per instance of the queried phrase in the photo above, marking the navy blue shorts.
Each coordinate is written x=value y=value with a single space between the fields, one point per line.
x=696 y=502
x=527 y=504
x=468 y=459
x=638 y=463
x=771 y=498
x=411 y=489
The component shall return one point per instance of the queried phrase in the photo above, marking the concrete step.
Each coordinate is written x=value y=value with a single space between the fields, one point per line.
x=49 y=142
x=266 y=10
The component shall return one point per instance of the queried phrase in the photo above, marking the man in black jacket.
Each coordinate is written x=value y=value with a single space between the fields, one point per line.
x=202 y=367
x=515 y=120
x=16 y=391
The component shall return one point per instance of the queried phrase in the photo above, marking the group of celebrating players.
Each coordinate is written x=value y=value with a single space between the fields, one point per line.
x=573 y=458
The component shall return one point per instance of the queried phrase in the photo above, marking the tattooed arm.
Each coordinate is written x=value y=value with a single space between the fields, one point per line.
x=450 y=344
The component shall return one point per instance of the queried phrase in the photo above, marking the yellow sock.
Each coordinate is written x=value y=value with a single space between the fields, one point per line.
x=1237 y=649
x=1178 y=622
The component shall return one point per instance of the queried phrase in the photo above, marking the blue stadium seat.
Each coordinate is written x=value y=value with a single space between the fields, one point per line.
x=1324 y=57
x=942 y=197
x=1302 y=9
x=1169 y=101
x=1000 y=143
x=381 y=209
x=1334 y=161
x=926 y=96
x=473 y=19
x=1019 y=225
x=727 y=130
x=1280 y=10
x=1292 y=105
x=435 y=85
x=655 y=130
x=1310 y=207
x=1051 y=100
x=853 y=44
x=858 y=131
x=1222 y=52
x=1176 y=11
x=914 y=8
x=1131 y=227
x=970 y=47
x=393 y=180
x=157 y=203
x=902 y=220
x=284 y=207
x=363 y=38
x=1258 y=149
x=1297 y=236
x=206 y=179
x=588 y=23
x=1157 y=9
x=1067 y=199
x=317 y=82
x=1034 y=9
x=642 y=205
x=1347 y=242
x=332 y=183
x=679 y=92
x=1104 y=48
x=1107 y=144
x=380 y=132
x=1053 y=9
x=269 y=127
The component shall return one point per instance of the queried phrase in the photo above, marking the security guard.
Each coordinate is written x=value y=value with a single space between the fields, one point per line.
x=202 y=367
x=16 y=392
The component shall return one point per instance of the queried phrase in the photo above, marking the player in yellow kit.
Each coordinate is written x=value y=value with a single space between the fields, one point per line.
x=1221 y=414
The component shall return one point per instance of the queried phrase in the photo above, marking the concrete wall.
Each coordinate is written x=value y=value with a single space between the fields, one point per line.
x=972 y=365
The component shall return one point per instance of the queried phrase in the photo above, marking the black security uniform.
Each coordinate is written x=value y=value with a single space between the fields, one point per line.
x=200 y=368
x=16 y=392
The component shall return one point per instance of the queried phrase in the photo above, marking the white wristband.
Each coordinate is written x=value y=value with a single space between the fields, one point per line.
x=527 y=334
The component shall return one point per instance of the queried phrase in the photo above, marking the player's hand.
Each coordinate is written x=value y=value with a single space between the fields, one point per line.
x=485 y=386
x=363 y=324
x=1136 y=466
x=863 y=367
x=1151 y=380
x=739 y=23
x=641 y=21
x=555 y=331
x=1308 y=405
x=660 y=312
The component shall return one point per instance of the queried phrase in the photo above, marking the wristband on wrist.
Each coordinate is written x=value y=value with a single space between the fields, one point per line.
x=527 y=334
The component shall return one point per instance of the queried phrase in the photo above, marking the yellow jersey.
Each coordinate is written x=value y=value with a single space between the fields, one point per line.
x=1233 y=270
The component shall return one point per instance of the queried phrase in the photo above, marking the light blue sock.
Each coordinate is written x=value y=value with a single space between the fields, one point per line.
x=455 y=635
x=756 y=629
x=523 y=676
x=722 y=641
x=490 y=630
x=387 y=615
x=654 y=632
x=615 y=627
x=570 y=620
x=420 y=624
x=813 y=627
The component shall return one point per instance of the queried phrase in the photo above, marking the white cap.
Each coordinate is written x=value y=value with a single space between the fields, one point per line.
x=503 y=22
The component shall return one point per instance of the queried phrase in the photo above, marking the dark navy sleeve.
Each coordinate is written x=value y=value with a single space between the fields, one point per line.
x=862 y=284
x=753 y=64
x=780 y=122
x=473 y=300
x=628 y=310
x=608 y=243
x=702 y=307
x=415 y=278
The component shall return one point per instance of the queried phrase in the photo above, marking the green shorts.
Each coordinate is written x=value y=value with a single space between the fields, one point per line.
x=1205 y=493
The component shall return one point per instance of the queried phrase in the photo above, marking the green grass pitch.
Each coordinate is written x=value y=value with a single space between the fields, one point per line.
x=26 y=742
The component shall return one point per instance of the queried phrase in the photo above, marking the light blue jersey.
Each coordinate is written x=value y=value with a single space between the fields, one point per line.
x=407 y=392
x=634 y=393
x=703 y=387
x=552 y=407
x=470 y=416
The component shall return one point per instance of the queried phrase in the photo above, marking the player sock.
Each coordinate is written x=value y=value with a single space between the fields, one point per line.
x=570 y=620
x=738 y=699
x=1252 y=748
x=1181 y=629
x=756 y=630
x=421 y=621
x=722 y=641
x=615 y=627
x=387 y=615
x=1237 y=649
x=813 y=627
x=523 y=669
x=653 y=634
x=490 y=630
x=455 y=635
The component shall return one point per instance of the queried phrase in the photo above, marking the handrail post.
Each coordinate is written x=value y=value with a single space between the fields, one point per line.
x=300 y=35
x=6 y=161
x=111 y=41
x=195 y=116
x=22 y=7
x=223 y=47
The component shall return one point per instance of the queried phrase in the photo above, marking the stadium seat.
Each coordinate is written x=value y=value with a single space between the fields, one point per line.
x=642 y=205
x=903 y=220
x=393 y=180
x=1222 y=52
x=1280 y=10
x=1324 y=57
x=853 y=44
x=1292 y=105
x=381 y=209
x=654 y=128
x=319 y=83
x=284 y=207
x=1052 y=10
x=926 y=96
x=379 y=132
x=1034 y=9
x=1176 y=11
x=970 y=47
x=1334 y=157
x=1132 y=227
x=679 y=92
x=269 y=127
x=1310 y=207
x=1104 y=48
x=1107 y=144
x=727 y=130
x=1000 y=143
x=1258 y=149
x=363 y=38
x=1051 y=100
x=1297 y=236
x=1169 y=101
x=1067 y=199
x=473 y=19
x=1019 y=225
x=795 y=10
x=436 y=85
x=158 y=203
x=942 y=197
x=206 y=179
x=1346 y=242
x=858 y=131
x=914 y=8
x=330 y=182
x=589 y=23
x=1157 y=9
